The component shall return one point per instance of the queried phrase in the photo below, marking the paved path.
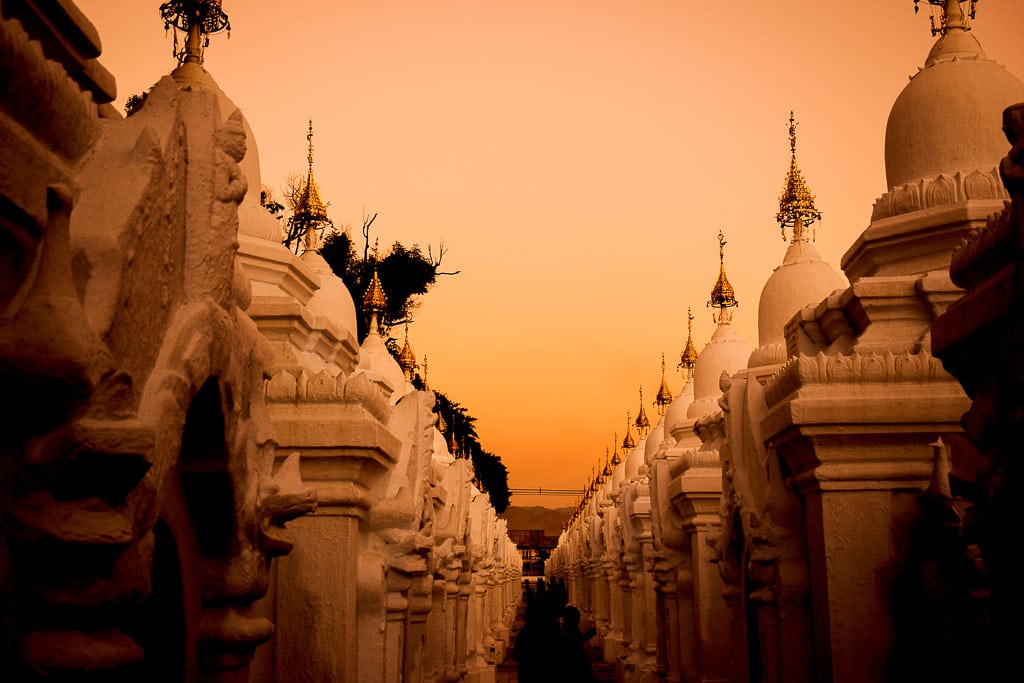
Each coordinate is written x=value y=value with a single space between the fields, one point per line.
x=508 y=671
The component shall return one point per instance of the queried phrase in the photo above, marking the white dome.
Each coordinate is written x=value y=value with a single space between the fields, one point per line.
x=253 y=219
x=726 y=352
x=441 y=453
x=948 y=117
x=675 y=416
x=802 y=279
x=332 y=300
x=657 y=436
x=374 y=357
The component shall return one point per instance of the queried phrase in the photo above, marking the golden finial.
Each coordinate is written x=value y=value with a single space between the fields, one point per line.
x=949 y=14
x=406 y=358
x=453 y=445
x=722 y=296
x=426 y=387
x=664 y=396
x=796 y=203
x=607 y=471
x=198 y=20
x=442 y=426
x=375 y=302
x=642 y=423
x=309 y=211
x=616 y=458
x=628 y=441
x=688 y=358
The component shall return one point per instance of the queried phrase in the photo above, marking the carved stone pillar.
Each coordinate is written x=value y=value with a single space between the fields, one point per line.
x=346 y=451
x=695 y=495
x=854 y=432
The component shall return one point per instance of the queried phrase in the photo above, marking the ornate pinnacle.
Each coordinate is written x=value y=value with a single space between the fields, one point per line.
x=628 y=441
x=616 y=458
x=198 y=20
x=950 y=15
x=309 y=211
x=426 y=387
x=688 y=358
x=375 y=302
x=664 y=396
x=722 y=296
x=406 y=358
x=796 y=203
x=309 y=202
x=642 y=423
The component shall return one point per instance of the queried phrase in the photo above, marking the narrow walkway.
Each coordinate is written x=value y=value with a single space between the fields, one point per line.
x=508 y=670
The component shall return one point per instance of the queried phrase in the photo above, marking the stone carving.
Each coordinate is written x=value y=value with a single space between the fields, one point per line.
x=939 y=191
x=855 y=368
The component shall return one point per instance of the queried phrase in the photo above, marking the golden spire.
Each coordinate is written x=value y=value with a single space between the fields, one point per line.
x=309 y=196
x=616 y=458
x=309 y=211
x=375 y=302
x=442 y=426
x=722 y=296
x=607 y=471
x=426 y=387
x=453 y=445
x=628 y=441
x=688 y=358
x=949 y=15
x=198 y=20
x=642 y=423
x=664 y=396
x=406 y=358
x=796 y=203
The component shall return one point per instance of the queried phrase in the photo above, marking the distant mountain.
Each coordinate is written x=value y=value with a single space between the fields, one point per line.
x=526 y=517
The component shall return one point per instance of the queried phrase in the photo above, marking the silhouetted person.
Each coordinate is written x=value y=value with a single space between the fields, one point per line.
x=538 y=645
x=573 y=662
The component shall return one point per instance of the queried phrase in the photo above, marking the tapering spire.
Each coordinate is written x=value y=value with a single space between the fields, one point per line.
x=949 y=15
x=442 y=426
x=198 y=20
x=426 y=387
x=616 y=458
x=406 y=358
x=309 y=211
x=628 y=441
x=688 y=358
x=309 y=198
x=642 y=423
x=664 y=397
x=796 y=203
x=375 y=303
x=722 y=296
x=607 y=471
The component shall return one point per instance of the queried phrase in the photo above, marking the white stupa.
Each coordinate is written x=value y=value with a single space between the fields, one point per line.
x=947 y=118
x=374 y=356
x=726 y=352
x=802 y=278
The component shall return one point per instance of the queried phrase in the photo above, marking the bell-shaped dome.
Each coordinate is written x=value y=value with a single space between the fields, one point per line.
x=948 y=117
x=653 y=445
x=332 y=300
x=727 y=353
x=374 y=357
x=802 y=279
x=675 y=416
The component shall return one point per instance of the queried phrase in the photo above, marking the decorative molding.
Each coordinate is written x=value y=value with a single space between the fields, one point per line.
x=943 y=190
x=854 y=368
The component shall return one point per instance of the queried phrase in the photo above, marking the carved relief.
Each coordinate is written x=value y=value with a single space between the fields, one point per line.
x=936 y=192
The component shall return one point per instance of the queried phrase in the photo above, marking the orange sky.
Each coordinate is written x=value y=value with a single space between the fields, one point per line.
x=577 y=158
